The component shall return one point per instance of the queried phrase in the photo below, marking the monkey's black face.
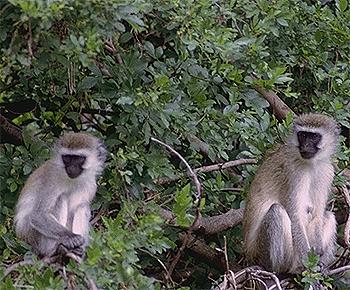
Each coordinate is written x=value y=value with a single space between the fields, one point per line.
x=308 y=142
x=73 y=164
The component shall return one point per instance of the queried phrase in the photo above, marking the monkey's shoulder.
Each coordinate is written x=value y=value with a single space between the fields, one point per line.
x=41 y=176
x=276 y=157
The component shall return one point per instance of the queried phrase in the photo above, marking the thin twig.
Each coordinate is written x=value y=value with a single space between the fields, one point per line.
x=159 y=261
x=97 y=217
x=259 y=280
x=225 y=254
x=190 y=170
x=224 y=165
x=13 y=267
x=91 y=284
x=229 y=274
x=188 y=235
x=30 y=39
x=270 y=275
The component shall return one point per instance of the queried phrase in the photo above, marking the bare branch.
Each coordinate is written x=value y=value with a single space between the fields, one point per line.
x=256 y=274
x=211 y=225
x=14 y=133
x=338 y=270
x=225 y=165
x=219 y=223
x=270 y=275
x=198 y=144
x=110 y=47
x=202 y=251
x=203 y=148
x=209 y=168
x=279 y=108
x=30 y=39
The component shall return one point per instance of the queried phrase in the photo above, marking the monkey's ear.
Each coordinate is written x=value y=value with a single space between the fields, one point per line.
x=337 y=130
x=102 y=151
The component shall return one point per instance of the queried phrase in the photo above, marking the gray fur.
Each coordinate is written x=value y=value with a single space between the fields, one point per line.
x=53 y=210
x=285 y=213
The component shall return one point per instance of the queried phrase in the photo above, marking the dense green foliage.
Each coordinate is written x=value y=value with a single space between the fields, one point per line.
x=182 y=71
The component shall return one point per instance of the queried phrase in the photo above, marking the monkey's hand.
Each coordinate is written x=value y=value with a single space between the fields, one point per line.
x=79 y=251
x=71 y=241
x=62 y=250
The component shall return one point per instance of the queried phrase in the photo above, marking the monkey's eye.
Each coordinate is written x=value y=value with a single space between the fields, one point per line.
x=305 y=135
x=66 y=159
x=70 y=159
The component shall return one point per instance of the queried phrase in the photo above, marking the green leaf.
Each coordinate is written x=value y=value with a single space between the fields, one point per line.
x=282 y=22
x=8 y=285
x=74 y=116
x=87 y=83
x=183 y=202
x=149 y=48
x=124 y=101
x=13 y=187
x=125 y=37
x=27 y=168
x=342 y=4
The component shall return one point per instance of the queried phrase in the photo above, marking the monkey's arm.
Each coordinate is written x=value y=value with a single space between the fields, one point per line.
x=48 y=226
x=81 y=219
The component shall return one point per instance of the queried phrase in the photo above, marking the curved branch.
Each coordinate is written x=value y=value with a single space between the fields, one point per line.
x=13 y=267
x=188 y=235
x=190 y=170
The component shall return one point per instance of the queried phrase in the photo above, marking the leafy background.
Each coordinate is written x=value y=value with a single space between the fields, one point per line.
x=183 y=71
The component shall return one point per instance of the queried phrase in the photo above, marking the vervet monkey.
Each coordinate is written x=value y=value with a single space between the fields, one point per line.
x=53 y=209
x=285 y=215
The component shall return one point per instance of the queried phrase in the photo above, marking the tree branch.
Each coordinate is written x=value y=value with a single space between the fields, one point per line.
x=203 y=252
x=13 y=133
x=211 y=225
x=225 y=165
x=279 y=108
x=209 y=168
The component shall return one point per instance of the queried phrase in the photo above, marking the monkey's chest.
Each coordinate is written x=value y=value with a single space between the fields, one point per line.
x=311 y=196
x=66 y=207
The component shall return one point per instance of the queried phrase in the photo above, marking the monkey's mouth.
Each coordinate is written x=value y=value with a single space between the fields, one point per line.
x=73 y=171
x=307 y=154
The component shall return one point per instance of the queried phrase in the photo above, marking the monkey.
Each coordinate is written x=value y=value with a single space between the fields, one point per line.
x=53 y=209
x=285 y=214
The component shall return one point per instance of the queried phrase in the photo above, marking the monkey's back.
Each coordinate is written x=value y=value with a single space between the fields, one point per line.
x=266 y=188
x=27 y=202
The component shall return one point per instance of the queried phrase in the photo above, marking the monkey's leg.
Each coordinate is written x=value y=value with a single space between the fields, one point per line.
x=275 y=240
x=328 y=237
